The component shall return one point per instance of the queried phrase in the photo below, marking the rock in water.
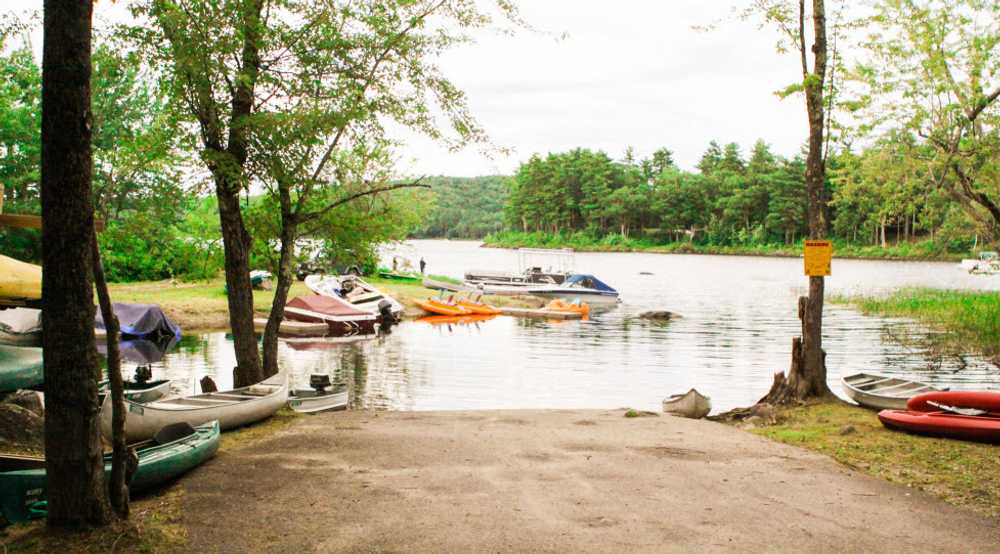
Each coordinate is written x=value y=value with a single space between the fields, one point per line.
x=21 y=427
x=658 y=315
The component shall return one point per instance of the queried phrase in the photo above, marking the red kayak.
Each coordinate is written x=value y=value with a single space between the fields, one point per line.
x=940 y=424
x=979 y=400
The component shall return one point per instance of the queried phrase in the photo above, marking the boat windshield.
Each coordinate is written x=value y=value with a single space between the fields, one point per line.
x=587 y=282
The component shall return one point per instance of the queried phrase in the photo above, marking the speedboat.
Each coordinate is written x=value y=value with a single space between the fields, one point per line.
x=558 y=266
x=340 y=317
x=583 y=287
x=356 y=293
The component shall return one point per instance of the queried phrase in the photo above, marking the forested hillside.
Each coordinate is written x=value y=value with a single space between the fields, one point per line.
x=882 y=196
x=464 y=207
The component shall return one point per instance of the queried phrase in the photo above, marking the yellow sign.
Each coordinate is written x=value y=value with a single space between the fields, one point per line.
x=818 y=254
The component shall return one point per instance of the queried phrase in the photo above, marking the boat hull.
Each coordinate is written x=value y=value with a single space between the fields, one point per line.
x=938 y=424
x=435 y=307
x=142 y=421
x=341 y=327
x=881 y=393
x=588 y=296
x=306 y=401
x=158 y=464
x=20 y=368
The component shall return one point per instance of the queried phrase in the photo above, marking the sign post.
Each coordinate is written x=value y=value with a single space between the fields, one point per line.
x=818 y=255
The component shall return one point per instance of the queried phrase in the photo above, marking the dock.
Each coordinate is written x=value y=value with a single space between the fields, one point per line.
x=290 y=328
x=540 y=313
x=451 y=287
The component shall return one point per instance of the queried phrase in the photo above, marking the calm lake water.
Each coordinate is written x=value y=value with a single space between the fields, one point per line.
x=738 y=320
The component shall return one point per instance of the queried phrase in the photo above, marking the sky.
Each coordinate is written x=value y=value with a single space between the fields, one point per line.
x=608 y=75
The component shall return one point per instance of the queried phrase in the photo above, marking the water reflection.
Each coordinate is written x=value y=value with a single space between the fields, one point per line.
x=738 y=319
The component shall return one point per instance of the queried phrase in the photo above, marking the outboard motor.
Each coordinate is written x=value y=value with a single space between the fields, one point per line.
x=319 y=382
x=385 y=310
x=143 y=374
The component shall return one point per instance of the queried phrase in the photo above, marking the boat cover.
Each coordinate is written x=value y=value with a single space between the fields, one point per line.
x=19 y=280
x=139 y=321
x=587 y=281
x=325 y=305
x=21 y=321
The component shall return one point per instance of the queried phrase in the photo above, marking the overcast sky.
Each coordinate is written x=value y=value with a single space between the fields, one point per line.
x=629 y=72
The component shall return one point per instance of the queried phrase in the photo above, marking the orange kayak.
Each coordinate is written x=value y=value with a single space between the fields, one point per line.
x=438 y=307
x=479 y=307
x=562 y=306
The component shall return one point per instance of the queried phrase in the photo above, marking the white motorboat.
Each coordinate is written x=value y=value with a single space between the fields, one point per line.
x=355 y=292
x=585 y=288
x=558 y=266
x=317 y=399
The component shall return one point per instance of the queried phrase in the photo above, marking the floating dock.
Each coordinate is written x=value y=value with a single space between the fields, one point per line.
x=540 y=312
x=290 y=328
x=441 y=285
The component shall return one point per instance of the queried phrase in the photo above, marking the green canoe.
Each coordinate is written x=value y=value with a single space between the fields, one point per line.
x=411 y=277
x=20 y=368
x=22 y=478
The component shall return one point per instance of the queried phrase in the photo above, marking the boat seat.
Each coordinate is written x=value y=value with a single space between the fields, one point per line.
x=173 y=432
x=260 y=390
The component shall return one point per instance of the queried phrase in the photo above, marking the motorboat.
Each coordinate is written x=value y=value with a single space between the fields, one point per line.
x=341 y=318
x=557 y=264
x=581 y=287
x=141 y=321
x=880 y=392
x=317 y=399
x=357 y=293
x=987 y=263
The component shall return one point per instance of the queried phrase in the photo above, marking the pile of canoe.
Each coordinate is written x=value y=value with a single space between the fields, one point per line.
x=451 y=307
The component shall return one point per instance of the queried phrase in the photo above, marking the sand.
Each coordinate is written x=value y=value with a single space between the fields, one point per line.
x=552 y=481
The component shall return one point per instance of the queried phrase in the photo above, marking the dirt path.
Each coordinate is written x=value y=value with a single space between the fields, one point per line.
x=552 y=481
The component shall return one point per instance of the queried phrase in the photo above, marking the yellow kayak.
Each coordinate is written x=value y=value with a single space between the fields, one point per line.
x=19 y=280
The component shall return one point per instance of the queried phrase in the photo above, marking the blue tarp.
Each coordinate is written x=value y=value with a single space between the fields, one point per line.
x=141 y=321
x=587 y=281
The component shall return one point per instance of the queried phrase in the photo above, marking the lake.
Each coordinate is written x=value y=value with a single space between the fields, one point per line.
x=738 y=320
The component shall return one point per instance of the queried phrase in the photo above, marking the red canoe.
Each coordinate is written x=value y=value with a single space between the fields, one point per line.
x=979 y=400
x=939 y=424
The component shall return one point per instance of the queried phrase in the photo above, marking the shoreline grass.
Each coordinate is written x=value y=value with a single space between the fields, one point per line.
x=969 y=320
x=961 y=473
x=916 y=251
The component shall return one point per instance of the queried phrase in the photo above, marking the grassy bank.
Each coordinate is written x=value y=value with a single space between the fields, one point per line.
x=961 y=473
x=924 y=250
x=202 y=305
x=969 y=320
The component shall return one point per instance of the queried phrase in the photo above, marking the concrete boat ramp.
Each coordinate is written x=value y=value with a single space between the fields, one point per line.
x=552 y=481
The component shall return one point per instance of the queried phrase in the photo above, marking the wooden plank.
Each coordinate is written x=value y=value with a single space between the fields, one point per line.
x=294 y=328
x=24 y=221
x=546 y=314
x=441 y=285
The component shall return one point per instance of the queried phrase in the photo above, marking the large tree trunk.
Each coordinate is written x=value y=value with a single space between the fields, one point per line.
x=73 y=455
x=236 y=242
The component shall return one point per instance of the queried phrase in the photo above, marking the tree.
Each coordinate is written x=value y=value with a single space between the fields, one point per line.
x=710 y=159
x=807 y=375
x=934 y=69
x=74 y=462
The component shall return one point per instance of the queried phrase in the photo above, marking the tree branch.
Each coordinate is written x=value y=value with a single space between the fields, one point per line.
x=305 y=218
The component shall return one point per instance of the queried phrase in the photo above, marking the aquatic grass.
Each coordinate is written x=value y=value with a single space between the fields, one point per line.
x=970 y=319
x=961 y=473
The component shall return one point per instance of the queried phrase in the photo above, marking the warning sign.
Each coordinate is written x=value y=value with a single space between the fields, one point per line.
x=818 y=255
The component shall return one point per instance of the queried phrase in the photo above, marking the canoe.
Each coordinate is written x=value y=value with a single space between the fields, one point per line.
x=309 y=401
x=140 y=392
x=20 y=368
x=940 y=424
x=171 y=453
x=478 y=308
x=393 y=276
x=977 y=400
x=438 y=307
x=691 y=404
x=21 y=327
x=232 y=408
x=880 y=392
x=19 y=280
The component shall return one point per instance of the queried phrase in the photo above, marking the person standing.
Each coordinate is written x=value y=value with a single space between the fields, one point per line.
x=423 y=265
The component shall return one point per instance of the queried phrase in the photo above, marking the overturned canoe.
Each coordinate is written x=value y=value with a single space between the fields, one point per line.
x=20 y=368
x=691 y=404
x=880 y=392
x=232 y=408
x=19 y=281
x=170 y=453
